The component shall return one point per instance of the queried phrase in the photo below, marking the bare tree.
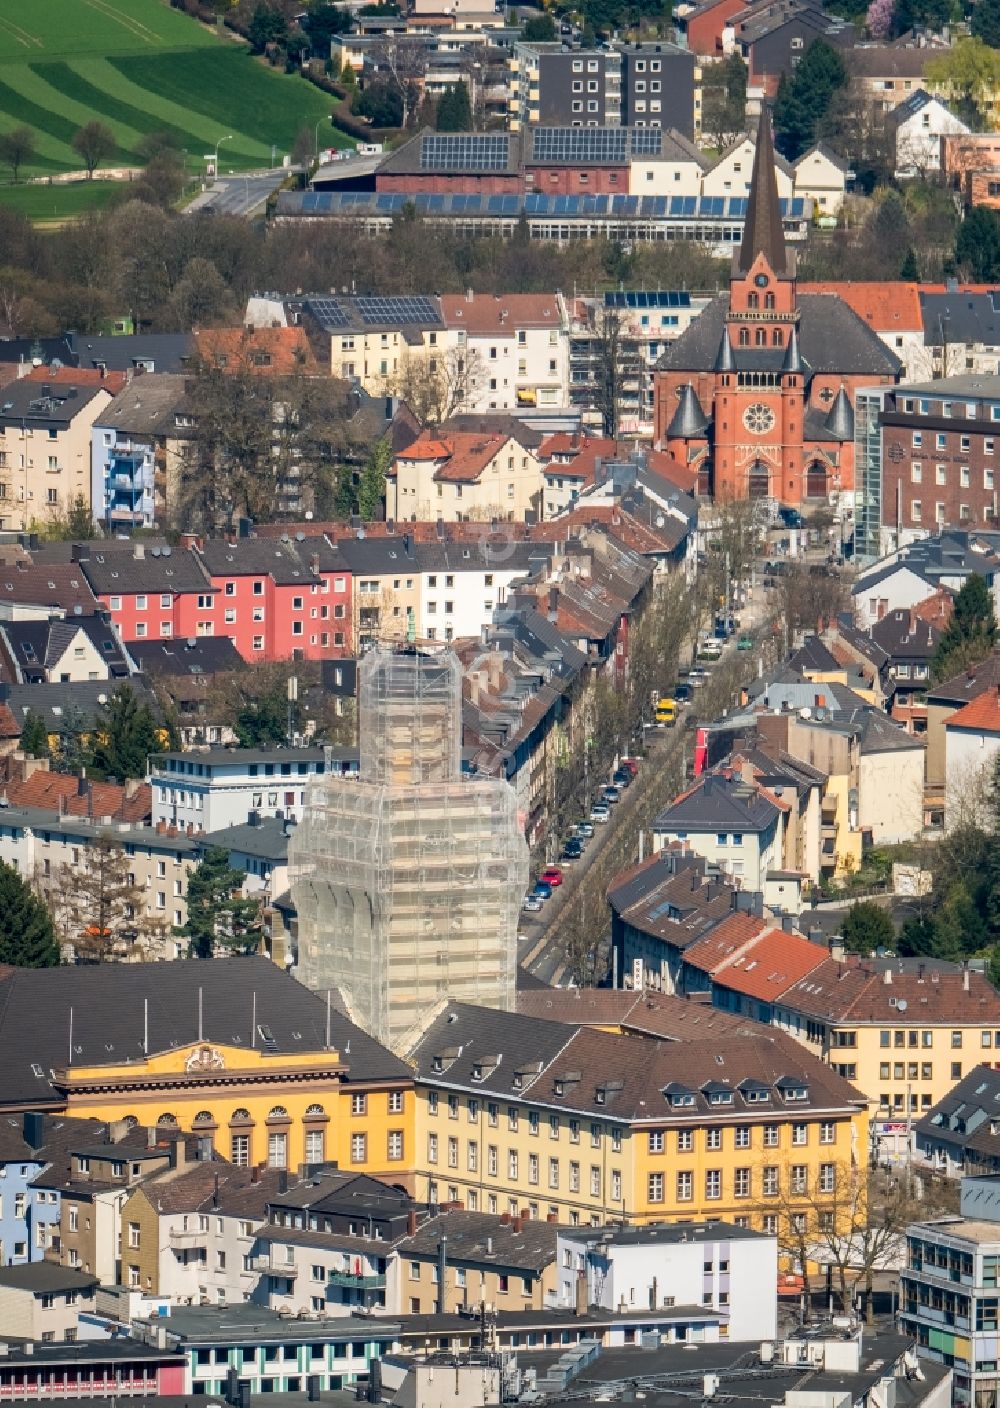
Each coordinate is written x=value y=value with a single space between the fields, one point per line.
x=96 y=905
x=403 y=63
x=435 y=385
x=616 y=361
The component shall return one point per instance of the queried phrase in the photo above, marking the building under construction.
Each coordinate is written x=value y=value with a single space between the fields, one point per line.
x=408 y=879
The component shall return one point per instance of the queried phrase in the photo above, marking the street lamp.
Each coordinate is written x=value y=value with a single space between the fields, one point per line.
x=215 y=164
x=316 y=133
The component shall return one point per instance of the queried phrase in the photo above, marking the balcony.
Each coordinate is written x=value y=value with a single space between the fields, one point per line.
x=187 y=1238
x=269 y=1264
x=351 y=1282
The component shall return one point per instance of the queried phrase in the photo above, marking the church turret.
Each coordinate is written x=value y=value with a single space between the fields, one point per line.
x=724 y=359
x=840 y=417
x=792 y=362
x=689 y=420
x=763 y=232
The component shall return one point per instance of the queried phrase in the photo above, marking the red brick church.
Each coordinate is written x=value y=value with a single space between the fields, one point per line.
x=758 y=393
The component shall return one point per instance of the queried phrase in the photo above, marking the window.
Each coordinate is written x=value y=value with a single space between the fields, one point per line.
x=685 y=1186
x=432 y=1148
x=827 y=1132
x=742 y=1183
x=685 y=1141
x=359 y=1104
x=395 y=1144
x=772 y=1181
x=713 y=1183
x=654 y=1187
x=827 y=1178
x=277 y=1150
x=452 y=1153
x=656 y=1141
x=595 y=1181
x=742 y=1138
x=770 y=1136
x=512 y=1164
x=713 y=1138
x=800 y=1133
x=240 y=1150
x=359 y=1148
x=395 y=1102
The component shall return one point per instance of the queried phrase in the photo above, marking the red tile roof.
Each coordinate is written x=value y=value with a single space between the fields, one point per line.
x=500 y=314
x=885 y=307
x=465 y=454
x=59 y=792
x=726 y=940
x=113 y=382
x=854 y=992
x=268 y=351
x=770 y=964
x=981 y=714
x=937 y=609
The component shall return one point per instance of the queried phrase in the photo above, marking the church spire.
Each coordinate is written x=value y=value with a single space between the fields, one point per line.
x=762 y=231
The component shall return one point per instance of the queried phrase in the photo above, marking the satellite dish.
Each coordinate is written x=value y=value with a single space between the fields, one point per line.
x=300 y=537
x=166 y=552
x=78 y=610
x=156 y=552
x=901 y=1005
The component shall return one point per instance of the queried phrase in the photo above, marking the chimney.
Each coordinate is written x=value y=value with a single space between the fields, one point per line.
x=33 y=1129
x=837 y=950
x=314 y=564
x=215 y=1191
x=525 y=1215
x=469 y=295
x=255 y=1174
x=887 y=977
x=515 y=1224
x=283 y=1180
x=138 y=552
x=411 y=1223
x=442 y=1274
x=580 y=1297
x=178 y=1153
x=505 y=1219
x=965 y=975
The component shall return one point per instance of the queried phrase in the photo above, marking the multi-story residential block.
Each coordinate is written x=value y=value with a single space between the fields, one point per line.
x=62 y=649
x=51 y=848
x=464 y=475
x=29 y=1220
x=518 y=1113
x=239 y=1050
x=459 y=1260
x=137 y=448
x=960 y=1134
x=124 y=1367
x=713 y=1264
x=514 y=349
x=926 y=455
x=918 y=126
x=43 y=1302
x=944 y=700
x=771 y=36
x=733 y=823
x=260 y=849
x=45 y=449
x=972 y=741
x=189 y=1234
x=152 y=591
x=648 y=85
x=220 y=787
x=884 y=75
x=948 y=1290
x=909 y=644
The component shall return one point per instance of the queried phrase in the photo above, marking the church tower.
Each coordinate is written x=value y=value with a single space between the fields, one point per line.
x=759 y=389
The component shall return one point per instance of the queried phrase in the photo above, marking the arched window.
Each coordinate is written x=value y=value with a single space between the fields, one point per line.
x=168 y=1119
x=239 y=1114
x=817 y=483
x=131 y=1121
x=759 y=480
x=744 y=337
x=769 y=300
x=315 y=1111
x=277 y=1112
x=753 y=301
x=776 y=337
x=204 y=1117
x=761 y=338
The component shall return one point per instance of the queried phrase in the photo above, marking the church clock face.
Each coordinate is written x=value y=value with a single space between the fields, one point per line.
x=758 y=418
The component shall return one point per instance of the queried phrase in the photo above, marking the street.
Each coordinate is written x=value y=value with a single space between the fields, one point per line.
x=237 y=195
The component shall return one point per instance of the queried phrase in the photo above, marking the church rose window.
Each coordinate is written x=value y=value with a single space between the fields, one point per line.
x=758 y=418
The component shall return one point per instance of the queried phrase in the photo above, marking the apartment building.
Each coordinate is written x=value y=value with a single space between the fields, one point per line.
x=517 y=1113
x=42 y=1302
x=137 y=450
x=646 y=85
x=220 y=787
x=961 y=1133
x=45 y=449
x=948 y=1290
x=456 y=475
x=733 y=823
x=514 y=348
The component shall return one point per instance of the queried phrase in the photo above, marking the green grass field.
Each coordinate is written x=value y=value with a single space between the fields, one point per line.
x=141 y=67
x=56 y=203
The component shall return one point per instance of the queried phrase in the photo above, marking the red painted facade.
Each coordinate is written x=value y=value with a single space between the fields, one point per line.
x=577 y=180
x=449 y=184
x=159 y=615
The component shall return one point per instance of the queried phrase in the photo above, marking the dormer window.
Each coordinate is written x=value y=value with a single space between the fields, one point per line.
x=599 y=1095
x=796 y=1092
x=477 y=1071
x=437 y=1064
x=721 y=1097
x=681 y=1099
x=517 y=1081
x=560 y=1088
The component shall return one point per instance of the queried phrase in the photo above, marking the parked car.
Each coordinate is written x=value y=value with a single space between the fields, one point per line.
x=532 y=903
x=622 y=777
x=791 y=517
x=542 y=889
x=551 y=876
x=584 y=830
x=632 y=764
x=682 y=693
x=744 y=643
x=697 y=676
x=600 y=811
x=573 y=849
x=611 y=795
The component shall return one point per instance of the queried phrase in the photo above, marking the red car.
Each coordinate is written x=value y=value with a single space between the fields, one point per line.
x=553 y=876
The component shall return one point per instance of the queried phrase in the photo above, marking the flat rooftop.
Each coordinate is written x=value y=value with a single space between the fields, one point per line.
x=242 y=1324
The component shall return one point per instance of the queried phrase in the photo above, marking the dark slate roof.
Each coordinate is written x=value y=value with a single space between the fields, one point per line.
x=763 y=232
x=108 y=1004
x=37 y=646
x=501 y=1043
x=288 y=563
x=168 y=351
x=85 y=698
x=719 y=804
x=840 y=420
x=147 y=406
x=812 y=654
x=906 y=639
x=36 y=583
x=268 y=839
x=43 y=1277
x=960 y=317
x=960 y=689
x=963 y=1117
x=119 y=573
x=879 y=734
x=832 y=339
x=58 y=1136
x=478 y=1239
x=26 y=399
x=204 y=655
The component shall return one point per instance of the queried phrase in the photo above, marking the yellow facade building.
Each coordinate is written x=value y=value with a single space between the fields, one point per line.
x=233 y=1049
x=520 y=1115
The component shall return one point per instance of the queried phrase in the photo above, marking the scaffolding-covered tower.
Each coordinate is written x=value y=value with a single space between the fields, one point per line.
x=408 y=879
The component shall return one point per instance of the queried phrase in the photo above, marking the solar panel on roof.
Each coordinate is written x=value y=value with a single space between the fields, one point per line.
x=580 y=144
x=646 y=141
x=328 y=312
x=737 y=207
x=659 y=206
x=397 y=310
x=465 y=151
x=535 y=204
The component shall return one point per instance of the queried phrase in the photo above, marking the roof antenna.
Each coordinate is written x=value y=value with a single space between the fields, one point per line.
x=145 y=1026
x=328 y=1019
x=199 y=1013
x=71 y=1036
x=253 y=1022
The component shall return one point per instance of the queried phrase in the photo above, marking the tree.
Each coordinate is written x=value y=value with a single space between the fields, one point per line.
x=219 y=915
x=16 y=147
x=804 y=97
x=724 y=100
x=304 y=146
x=93 y=142
x=96 y=903
x=454 y=111
x=371 y=490
x=125 y=734
x=909 y=269
x=614 y=365
x=971 y=632
x=878 y=18
x=267 y=27
x=27 y=934
x=969 y=73
x=977 y=246
x=263 y=721
x=34 y=736
x=439 y=385
x=867 y=927
x=986 y=22
x=539 y=29
x=382 y=103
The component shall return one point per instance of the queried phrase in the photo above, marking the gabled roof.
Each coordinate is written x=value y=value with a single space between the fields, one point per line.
x=147 y=406
x=719 y=803
x=262 y=351
x=46 y=584
x=856 y=991
x=68 y=795
x=142 y=572
x=464 y=455
x=769 y=964
x=499 y=315
x=812 y=654
x=887 y=307
x=980 y=715
x=969 y=684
